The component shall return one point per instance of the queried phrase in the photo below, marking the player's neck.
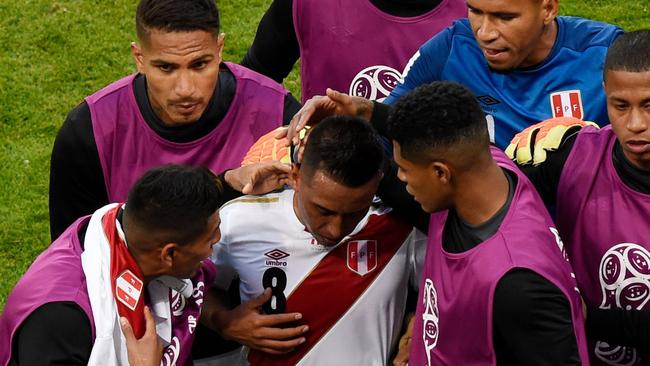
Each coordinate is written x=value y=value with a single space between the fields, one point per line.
x=481 y=194
x=544 y=46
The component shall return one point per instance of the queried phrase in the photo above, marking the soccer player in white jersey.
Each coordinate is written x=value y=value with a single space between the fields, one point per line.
x=325 y=250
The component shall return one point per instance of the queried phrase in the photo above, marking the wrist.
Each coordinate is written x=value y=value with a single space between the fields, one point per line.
x=230 y=178
x=220 y=323
x=365 y=108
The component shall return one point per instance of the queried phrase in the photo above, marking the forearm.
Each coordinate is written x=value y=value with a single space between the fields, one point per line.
x=215 y=310
x=619 y=327
x=275 y=49
x=77 y=186
x=532 y=322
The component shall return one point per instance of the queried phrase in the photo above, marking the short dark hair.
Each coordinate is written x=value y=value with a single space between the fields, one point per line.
x=174 y=202
x=437 y=115
x=176 y=16
x=630 y=52
x=347 y=149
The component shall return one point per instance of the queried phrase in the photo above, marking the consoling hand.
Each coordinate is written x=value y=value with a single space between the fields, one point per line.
x=146 y=351
x=259 y=178
x=319 y=107
x=266 y=333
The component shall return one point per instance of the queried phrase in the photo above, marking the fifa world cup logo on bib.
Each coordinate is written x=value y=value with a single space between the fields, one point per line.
x=625 y=284
x=430 y=318
x=171 y=352
x=375 y=82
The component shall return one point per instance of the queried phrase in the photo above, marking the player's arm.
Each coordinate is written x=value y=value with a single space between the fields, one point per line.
x=619 y=326
x=541 y=150
x=425 y=66
x=57 y=333
x=291 y=107
x=532 y=322
x=275 y=49
x=77 y=186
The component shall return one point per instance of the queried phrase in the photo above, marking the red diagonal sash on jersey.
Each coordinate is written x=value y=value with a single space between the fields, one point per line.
x=126 y=277
x=332 y=287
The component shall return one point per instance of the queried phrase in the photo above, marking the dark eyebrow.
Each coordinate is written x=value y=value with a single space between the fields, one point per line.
x=325 y=209
x=619 y=100
x=202 y=58
x=496 y=14
x=162 y=62
x=472 y=8
x=504 y=14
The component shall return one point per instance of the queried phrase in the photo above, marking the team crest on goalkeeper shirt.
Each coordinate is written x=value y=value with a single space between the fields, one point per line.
x=567 y=103
x=362 y=256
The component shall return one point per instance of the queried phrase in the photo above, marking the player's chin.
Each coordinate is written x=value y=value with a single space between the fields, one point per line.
x=181 y=118
x=426 y=207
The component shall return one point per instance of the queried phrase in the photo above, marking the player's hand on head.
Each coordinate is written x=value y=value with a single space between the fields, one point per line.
x=146 y=351
x=267 y=333
x=531 y=144
x=259 y=178
x=322 y=106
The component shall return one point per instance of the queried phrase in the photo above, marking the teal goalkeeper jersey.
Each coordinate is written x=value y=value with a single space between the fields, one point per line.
x=567 y=83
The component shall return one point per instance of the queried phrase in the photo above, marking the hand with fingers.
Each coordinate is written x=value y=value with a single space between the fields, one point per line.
x=267 y=333
x=319 y=107
x=259 y=178
x=146 y=351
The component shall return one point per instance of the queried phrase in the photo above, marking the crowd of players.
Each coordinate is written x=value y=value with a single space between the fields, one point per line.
x=441 y=251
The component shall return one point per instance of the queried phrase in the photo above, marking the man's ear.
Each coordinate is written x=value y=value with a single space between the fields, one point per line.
x=220 y=43
x=550 y=8
x=294 y=177
x=136 y=52
x=167 y=253
x=441 y=172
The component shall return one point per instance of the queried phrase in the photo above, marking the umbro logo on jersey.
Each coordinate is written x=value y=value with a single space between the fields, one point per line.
x=488 y=100
x=276 y=255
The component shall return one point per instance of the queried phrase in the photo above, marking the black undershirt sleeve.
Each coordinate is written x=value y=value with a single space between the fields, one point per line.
x=275 y=49
x=546 y=176
x=619 y=326
x=77 y=185
x=57 y=333
x=532 y=322
x=291 y=107
x=379 y=118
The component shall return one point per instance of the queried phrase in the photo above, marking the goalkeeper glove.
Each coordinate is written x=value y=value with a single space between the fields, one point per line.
x=531 y=144
x=268 y=148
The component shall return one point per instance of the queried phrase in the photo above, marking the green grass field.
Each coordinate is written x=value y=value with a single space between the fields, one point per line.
x=56 y=52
